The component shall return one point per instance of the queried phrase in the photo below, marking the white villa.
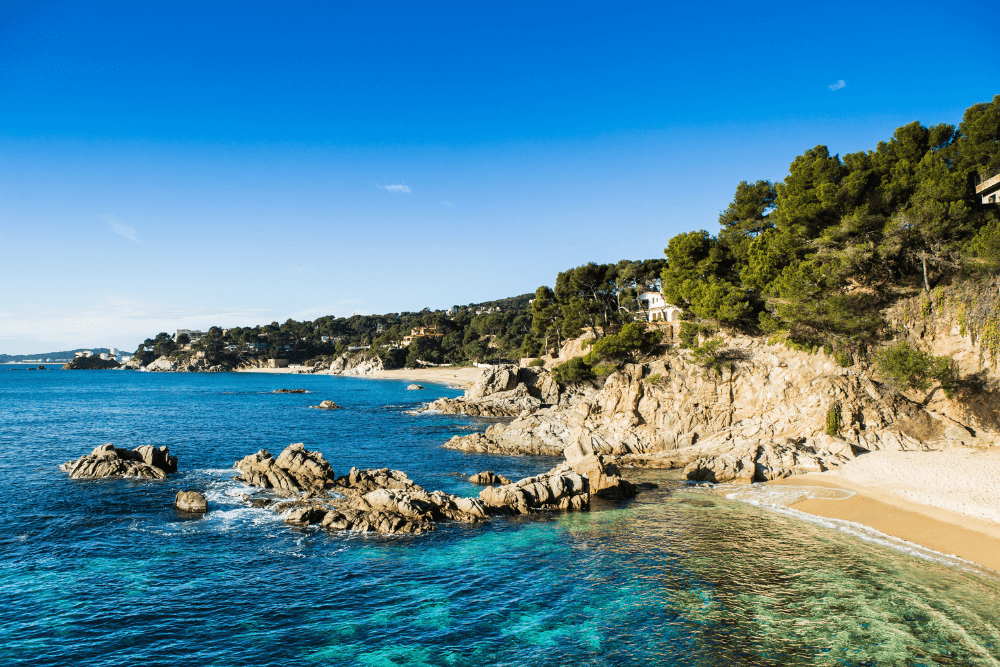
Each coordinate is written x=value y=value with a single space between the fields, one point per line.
x=657 y=309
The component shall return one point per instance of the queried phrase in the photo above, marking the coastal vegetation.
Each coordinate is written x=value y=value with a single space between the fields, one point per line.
x=814 y=260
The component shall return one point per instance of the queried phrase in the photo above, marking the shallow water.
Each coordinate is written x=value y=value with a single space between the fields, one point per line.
x=106 y=573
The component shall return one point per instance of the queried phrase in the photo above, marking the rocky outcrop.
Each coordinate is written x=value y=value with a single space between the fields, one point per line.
x=88 y=364
x=295 y=470
x=763 y=415
x=147 y=462
x=191 y=501
x=488 y=477
x=560 y=488
x=508 y=391
x=326 y=405
x=162 y=364
x=388 y=501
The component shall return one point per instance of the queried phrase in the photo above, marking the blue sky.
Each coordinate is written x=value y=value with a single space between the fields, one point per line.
x=181 y=164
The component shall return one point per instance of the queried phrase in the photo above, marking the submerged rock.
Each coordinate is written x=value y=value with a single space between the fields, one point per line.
x=488 y=477
x=289 y=391
x=109 y=461
x=191 y=501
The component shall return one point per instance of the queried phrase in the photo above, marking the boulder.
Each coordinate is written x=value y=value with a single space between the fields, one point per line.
x=492 y=380
x=296 y=469
x=191 y=501
x=488 y=477
x=147 y=462
x=326 y=405
x=414 y=387
x=560 y=488
x=163 y=364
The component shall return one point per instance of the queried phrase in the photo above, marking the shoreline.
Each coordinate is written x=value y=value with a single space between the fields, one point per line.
x=945 y=531
x=459 y=378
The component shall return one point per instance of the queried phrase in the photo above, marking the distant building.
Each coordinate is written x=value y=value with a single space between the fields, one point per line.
x=105 y=356
x=989 y=188
x=657 y=309
x=325 y=339
x=126 y=358
x=194 y=336
x=422 y=332
x=84 y=353
x=114 y=352
x=483 y=311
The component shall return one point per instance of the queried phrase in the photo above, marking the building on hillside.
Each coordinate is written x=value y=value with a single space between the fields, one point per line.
x=989 y=188
x=657 y=309
x=484 y=311
x=193 y=336
x=422 y=332
x=83 y=353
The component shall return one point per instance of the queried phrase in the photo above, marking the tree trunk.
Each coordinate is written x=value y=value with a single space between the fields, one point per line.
x=923 y=260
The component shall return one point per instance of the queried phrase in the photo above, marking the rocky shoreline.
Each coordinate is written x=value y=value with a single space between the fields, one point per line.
x=302 y=486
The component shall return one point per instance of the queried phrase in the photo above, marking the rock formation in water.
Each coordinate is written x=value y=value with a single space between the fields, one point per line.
x=326 y=405
x=290 y=391
x=415 y=387
x=191 y=501
x=388 y=501
x=763 y=416
x=488 y=477
x=109 y=461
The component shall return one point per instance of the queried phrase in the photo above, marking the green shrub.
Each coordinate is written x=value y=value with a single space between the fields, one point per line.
x=906 y=367
x=844 y=359
x=714 y=357
x=833 y=420
x=653 y=379
x=574 y=370
x=536 y=362
x=689 y=331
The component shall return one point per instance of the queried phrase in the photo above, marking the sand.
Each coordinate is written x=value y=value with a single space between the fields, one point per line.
x=948 y=501
x=461 y=376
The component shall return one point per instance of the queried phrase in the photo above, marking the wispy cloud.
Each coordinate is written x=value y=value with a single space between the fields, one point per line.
x=405 y=189
x=837 y=86
x=121 y=229
x=447 y=203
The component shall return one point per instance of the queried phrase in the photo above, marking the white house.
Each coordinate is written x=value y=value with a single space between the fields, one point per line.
x=657 y=309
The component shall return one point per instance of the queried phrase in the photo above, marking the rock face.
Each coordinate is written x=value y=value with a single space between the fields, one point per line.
x=326 y=405
x=763 y=417
x=356 y=363
x=388 y=501
x=163 y=364
x=109 y=461
x=488 y=477
x=191 y=501
x=508 y=391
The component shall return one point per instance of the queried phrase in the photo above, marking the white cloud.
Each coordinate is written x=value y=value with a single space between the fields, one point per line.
x=837 y=86
x=122 y=230
x=448 y=203
x=405 y=189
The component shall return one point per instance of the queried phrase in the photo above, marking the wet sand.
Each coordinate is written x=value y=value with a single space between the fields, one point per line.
x=945 y=531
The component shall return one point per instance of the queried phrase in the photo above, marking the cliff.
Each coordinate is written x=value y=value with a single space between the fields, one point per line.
x=764 y=414
x=91 y=364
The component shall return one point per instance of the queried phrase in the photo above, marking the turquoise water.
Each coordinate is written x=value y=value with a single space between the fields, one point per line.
x=105 y=573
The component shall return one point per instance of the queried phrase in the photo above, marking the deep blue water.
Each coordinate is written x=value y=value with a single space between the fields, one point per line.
x=105 y=573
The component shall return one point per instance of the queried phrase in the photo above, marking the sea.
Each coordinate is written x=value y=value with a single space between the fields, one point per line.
x=106 y=573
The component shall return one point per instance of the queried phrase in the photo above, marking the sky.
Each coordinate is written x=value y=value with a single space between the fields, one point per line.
x=180 y=164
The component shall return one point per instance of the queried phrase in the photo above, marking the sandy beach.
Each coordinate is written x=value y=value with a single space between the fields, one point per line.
x=461 y=376
x=948 y=501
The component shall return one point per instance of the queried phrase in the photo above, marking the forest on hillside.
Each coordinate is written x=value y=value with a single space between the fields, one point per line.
x=813 y=259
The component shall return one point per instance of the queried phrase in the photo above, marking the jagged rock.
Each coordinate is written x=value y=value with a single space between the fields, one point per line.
x=289 y=391
x=388 y=501
x=191 y=501
x=295 y=469
x=326 y=405
x=508 y=391
x=560 y=488
x=488 y=477
x=501 y=404
x=109 y=461
x=414 y=387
